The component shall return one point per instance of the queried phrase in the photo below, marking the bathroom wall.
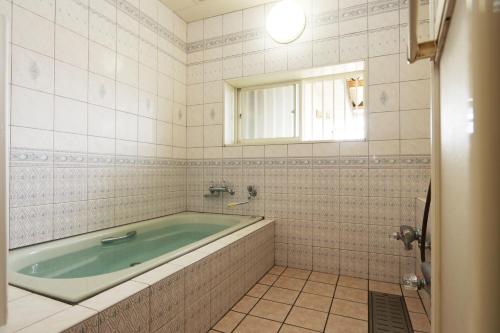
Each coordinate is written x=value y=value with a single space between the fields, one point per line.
x=335 y=203
x=97 y=124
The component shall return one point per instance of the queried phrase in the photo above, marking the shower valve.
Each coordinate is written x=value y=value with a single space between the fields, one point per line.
x=407 y=234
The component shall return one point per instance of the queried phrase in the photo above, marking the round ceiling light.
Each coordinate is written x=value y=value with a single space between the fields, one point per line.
x=286 y=21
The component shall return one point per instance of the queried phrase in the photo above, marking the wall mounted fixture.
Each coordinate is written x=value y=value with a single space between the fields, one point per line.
x=286 y=21
x=355 y=88
x=215 y=190
x=252 y=193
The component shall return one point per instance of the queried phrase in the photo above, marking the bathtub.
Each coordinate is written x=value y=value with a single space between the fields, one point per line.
x=79 y=267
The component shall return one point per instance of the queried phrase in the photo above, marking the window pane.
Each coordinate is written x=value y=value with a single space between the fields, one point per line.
x=267 y=113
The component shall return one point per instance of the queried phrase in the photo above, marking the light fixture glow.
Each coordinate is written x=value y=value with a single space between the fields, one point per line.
x=286 y=21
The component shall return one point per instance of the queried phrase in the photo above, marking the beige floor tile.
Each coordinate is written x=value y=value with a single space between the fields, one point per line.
x=323 y=277
x=271 y=310
x=245 y=304
x=350 y=309
x=276 y=270
x=229 y=322
x=420 y=322
x=269 y=279
x=253 y=324
x=385 y=287
x=307 y=318
x=318 y=288
x=314 y=302
x=339 y=324
x=352 y=294
x=281 y=295
x=414 y=305
x=352 y=282
x=289 y=283
x=294 y=329
x=258 y=290
x=297 y=273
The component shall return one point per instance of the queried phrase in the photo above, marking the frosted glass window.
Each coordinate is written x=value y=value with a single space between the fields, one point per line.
x=328 y=113
x=329 y=108
x=268 y=113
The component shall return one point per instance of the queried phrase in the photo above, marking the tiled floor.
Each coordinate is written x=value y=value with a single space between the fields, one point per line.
x=297 y=301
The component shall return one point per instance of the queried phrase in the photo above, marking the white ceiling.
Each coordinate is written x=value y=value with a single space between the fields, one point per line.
x=193 y=10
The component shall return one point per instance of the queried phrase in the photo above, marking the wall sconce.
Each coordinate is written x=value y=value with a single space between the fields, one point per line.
x=355 y=87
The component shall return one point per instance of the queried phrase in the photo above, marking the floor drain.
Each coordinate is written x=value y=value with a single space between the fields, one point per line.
x=388 y=314
x=134 y=263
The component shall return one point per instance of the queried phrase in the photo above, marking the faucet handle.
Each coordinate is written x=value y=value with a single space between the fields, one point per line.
x=395 y=235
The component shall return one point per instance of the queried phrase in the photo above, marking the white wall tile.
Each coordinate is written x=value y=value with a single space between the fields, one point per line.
x=101 y=121
x=71 y=81
x=415 y=124
x=213 y=135
x=98 y=145
x=253 y=64
x=44 y=8
x=40 y=39
x=101 y=91
x=326 y=52
x=276 y=60
x=300 y=56
x=384 y=69
x=384 y=126
x=415 y=95
x=417 y=71
x=194 y=136
x=164 y=133
x=126 y=126
x=31 y=108
x=383 y=41
x=22 y=137
x=32 y=70
x=353 y=47
x=147 y=130
x=383 y=97
x=102 y=60
x=127 y=98
x=127 y=70
x=77 y=54
x=73 y=16
x=70 y=142
x=148 y=104
x=70 y=115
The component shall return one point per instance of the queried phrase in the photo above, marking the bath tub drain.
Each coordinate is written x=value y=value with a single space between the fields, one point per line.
x=134 y=263
x=388 y=314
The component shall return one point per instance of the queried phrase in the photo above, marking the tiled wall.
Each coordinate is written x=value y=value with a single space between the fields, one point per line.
x=98 y=115
x=335 y=203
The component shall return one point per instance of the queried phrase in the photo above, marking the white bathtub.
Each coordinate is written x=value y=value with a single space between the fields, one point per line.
x=79 y=267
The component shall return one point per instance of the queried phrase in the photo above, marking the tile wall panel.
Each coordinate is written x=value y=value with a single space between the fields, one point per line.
x=334 y=204
x=98 y=116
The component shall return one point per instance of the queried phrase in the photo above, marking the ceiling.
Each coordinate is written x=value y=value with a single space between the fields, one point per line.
x=193 y=10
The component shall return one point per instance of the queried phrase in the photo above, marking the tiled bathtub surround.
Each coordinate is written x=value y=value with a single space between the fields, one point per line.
x=98 y=115
x=335 y=203
x=188 y=294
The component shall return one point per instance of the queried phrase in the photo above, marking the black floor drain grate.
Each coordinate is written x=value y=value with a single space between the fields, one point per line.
x=388 y=314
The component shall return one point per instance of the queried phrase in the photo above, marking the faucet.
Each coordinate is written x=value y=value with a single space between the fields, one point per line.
x=252 y=193
x=216 y=190
x=407 y=235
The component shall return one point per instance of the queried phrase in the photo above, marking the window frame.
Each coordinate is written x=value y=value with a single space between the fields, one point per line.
x=299 y=116
x=297 y=121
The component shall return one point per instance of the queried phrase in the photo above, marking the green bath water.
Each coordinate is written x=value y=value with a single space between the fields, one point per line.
x=102 y=259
